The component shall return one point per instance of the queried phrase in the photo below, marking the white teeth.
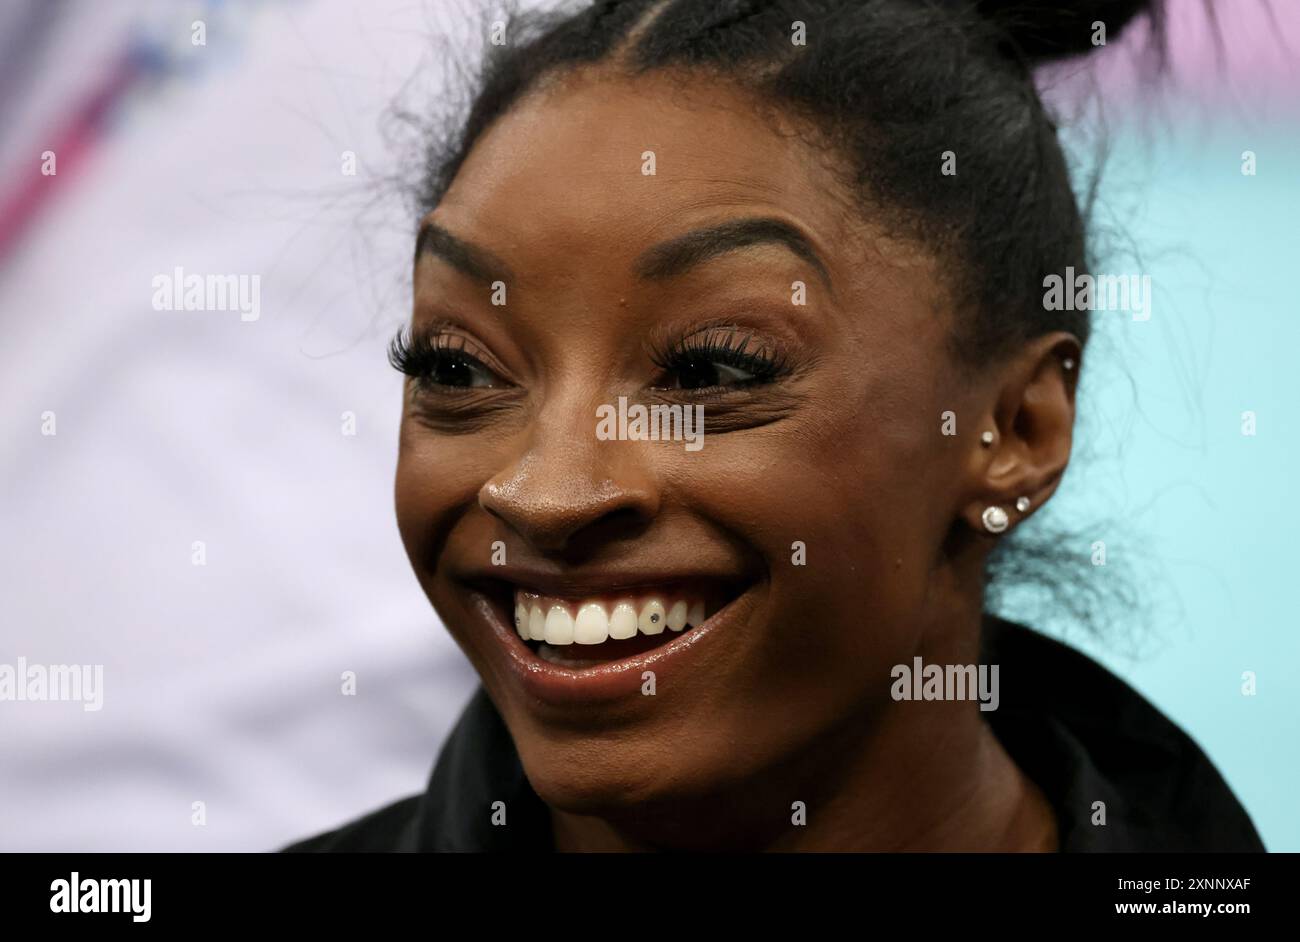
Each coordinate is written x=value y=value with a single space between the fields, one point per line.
x=559 y=625
x=622 y=621
x=597 y=620
x=695 y=617
x=651 y=621
x=677 y=616
x=591 y=625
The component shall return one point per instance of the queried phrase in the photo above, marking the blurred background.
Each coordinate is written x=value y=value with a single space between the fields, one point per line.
x=202 y=504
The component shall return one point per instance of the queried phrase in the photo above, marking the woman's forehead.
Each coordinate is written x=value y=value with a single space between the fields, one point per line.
x=639 y=158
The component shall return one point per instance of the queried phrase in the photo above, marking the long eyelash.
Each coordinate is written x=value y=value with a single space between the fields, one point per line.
x=418 y=353
x=723 y=345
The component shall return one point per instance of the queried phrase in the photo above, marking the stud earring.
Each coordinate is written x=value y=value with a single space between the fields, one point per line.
x=986 y=439
x=1068 y=363
x=995 y=519
x=1022 y=504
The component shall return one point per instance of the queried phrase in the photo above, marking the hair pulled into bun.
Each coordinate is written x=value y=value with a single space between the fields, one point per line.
x=1042 y=32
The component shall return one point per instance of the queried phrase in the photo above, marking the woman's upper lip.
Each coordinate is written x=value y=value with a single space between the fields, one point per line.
x=579 y=583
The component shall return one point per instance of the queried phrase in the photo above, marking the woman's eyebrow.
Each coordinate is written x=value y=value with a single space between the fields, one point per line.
x=683 y=252
x=665 y=260
x=469 y=259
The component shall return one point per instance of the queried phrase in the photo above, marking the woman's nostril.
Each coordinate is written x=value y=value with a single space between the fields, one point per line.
x=561 y=533
x=562 y=519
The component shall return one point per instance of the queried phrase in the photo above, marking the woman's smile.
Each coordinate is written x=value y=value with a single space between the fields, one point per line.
x=580 y=637
x=575 y=663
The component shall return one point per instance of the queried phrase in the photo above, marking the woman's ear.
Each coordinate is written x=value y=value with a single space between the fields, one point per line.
x=1024 y=439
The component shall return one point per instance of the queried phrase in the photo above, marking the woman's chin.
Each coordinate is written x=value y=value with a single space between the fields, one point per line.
x=610 y=787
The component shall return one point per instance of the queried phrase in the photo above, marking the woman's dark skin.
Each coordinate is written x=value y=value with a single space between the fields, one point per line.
x=845 y=453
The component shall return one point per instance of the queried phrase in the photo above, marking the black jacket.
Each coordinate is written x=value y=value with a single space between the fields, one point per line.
x=1074 y=728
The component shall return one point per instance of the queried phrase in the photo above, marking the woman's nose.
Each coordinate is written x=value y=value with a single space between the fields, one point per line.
x=569 y=491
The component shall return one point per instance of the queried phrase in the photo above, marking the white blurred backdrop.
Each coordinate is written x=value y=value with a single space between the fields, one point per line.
x=222 y=682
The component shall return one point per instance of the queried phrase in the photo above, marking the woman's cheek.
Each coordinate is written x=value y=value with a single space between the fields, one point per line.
x=437 y=479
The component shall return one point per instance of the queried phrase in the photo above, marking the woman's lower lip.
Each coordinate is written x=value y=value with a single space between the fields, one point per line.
x=557 y=685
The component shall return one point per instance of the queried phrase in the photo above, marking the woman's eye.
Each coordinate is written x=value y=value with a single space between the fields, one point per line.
x=461 y=371
x=720 y=360
x=436 y=361
x=703 y=373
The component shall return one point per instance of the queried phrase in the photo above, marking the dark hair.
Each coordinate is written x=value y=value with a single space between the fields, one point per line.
x=888 y=86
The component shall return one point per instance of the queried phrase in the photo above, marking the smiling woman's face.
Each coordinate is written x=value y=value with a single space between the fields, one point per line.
x=812 y=522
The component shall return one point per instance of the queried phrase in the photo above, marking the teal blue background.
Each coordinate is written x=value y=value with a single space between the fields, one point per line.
x=1199 y=517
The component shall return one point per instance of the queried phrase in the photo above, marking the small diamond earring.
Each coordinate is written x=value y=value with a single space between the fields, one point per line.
x=995 y=519
x=986 y=439
x=1022 y=504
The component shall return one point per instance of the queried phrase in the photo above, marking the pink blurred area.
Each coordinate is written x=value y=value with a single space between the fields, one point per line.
x=1240 y=55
